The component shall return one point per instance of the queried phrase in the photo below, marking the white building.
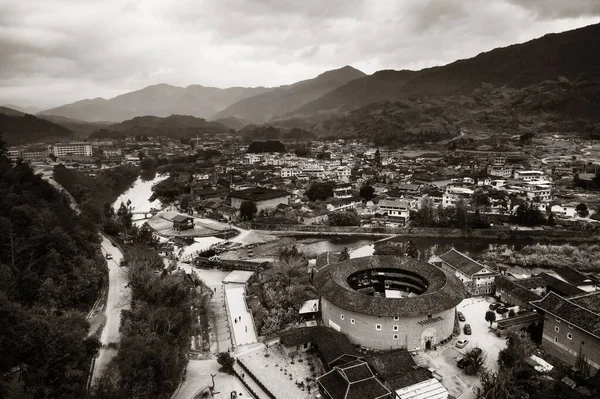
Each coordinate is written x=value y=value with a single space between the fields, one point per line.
x=289 y=172
x=454 y=194
x=77 y=149
x=529 y=175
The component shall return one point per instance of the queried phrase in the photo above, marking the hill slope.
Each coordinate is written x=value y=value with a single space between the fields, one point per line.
x=19 y=128
x=158 y=100
x=573 y=54
x=171 y=126
x=284 y=99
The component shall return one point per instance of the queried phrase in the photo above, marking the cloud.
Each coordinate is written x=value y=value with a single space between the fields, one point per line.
x=58 y=51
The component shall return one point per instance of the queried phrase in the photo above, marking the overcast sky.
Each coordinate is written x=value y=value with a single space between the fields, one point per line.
x=58 y=51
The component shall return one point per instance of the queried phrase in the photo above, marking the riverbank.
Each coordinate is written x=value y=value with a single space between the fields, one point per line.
x=498 y=233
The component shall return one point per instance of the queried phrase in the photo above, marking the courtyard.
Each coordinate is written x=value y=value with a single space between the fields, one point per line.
x=444 y=359
x=284 y=377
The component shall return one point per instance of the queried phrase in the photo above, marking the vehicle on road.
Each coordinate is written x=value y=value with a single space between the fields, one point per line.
x=467 y=329
x=462 y=343
x=461 y=317
x=109 y=256
x=494 y=306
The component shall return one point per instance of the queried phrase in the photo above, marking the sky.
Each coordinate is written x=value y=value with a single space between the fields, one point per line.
x=54 y=52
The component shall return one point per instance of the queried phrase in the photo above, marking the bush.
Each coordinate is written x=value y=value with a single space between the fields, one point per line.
x=226 y=361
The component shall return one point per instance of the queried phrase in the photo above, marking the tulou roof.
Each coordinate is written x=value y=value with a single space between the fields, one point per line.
x=443 y=291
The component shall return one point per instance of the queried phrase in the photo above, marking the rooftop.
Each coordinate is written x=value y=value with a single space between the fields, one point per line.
x=354 y=380
x=441 y=291
x=581 y=312
x=461 y=262
x=259 y=194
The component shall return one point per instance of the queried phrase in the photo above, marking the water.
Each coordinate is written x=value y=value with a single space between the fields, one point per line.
x=139 y=194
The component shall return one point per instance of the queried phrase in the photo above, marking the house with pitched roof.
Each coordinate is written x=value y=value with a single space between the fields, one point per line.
x=572 y=329
x=477 y=278
x=353 y=380
x=520 y=292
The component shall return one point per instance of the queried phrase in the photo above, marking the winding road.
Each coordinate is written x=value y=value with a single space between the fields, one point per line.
x=118 y=299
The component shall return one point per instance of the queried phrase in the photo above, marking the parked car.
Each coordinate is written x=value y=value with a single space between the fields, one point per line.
x=462 y=343
x=494 y=306
x=108 y=256
x=462 y=363
x=461 y=317
x=467 y=329
x=475 y=352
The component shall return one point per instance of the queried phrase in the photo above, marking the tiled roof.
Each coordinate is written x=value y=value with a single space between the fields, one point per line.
x=353 y=380
x=571 y=311
x=559 y=287
x=515 y=289
x=461 y=262
x=443 y=291
x=590 y=301
x=259 y=194
x=572 y=276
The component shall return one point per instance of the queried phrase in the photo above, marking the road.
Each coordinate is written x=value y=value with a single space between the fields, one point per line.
x=118 y=298
x=198 y=376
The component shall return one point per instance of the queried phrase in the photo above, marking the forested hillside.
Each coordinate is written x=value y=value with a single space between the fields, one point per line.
x=51 y=273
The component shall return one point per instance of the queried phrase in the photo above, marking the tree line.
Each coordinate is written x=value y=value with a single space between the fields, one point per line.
x=51 y=273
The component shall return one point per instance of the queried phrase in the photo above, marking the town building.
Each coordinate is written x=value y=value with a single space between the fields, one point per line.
x=396 y=212
x=181 y=222
x=477 y=278
x=263 y=198
x=572 y=329
x=343 y=204
x=388 y=302
x=529 y=175
x=77 y=149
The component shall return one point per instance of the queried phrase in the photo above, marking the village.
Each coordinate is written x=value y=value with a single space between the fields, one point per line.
x=242 y=224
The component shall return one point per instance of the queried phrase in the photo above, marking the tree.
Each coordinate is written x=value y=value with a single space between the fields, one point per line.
x=490 y=316
x=141 y=155
x=345 y=254
x=474 y=359
x=410 y=249
x=302 y=152
x=582 y=210
x=184 y=201
x=320 y=191
x=367 y=192
x=226 y=361
x=248 y=210
x=519 y=347
x=377 y=158
x=511 y=313
x=344 y=218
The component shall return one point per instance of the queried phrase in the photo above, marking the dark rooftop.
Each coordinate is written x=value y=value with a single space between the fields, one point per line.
x=353 y=380
x=573 y=311
x=259 y=194
x=516 y=289
x=560 y=287
x=461 y=262
x=573 y=276
x=443 y=291
x=181 y=218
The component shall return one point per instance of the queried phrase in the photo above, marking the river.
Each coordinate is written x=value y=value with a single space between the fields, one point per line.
x=139 y=194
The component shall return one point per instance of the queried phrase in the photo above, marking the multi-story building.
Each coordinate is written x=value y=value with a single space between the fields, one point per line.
x=477 y=278
x=395 y=211
x=529 y=175
x=571 y=329
x=343 y=173
x=454 y=194
x=289 y=172
x=81 y=149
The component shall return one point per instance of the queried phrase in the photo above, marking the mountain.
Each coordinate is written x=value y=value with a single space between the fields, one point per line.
x=171 y=126
x=78 y=127
x=284 y=99
x=159 y=100
x=232 y=122
x=20 y=128
x=25 y=110
x=573 y=54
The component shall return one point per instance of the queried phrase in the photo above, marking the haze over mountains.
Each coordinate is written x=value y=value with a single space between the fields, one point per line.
x=548 y=83
x=158 y=100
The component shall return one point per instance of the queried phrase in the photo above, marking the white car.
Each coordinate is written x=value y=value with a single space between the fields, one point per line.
x=108 y=256
x=462 y=343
